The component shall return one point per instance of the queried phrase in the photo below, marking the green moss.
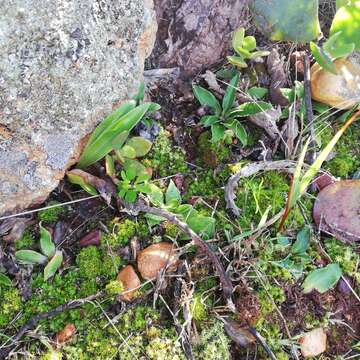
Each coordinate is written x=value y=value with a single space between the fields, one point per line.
x=10 y=304
x=347 y=152
x=51 y=215
x=171 y=230
x=51 y=355
x=342 y=254
x=265 y=295
x=212 y=154
x=114 y=287
x=25 y=242
x=89 y=262
x=198 y=308
x=164 y=158
x=137 y=318
x=213 y=343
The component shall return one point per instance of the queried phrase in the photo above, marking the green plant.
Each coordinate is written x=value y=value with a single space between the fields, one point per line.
x=202 y=225
x=224 y=121
x=48 y=254
x=113 y=131
x=51 y=215
x=10 y=303
x=245 y=48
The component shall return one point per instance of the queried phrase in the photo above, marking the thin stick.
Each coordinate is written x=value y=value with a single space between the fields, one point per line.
x=48 y=207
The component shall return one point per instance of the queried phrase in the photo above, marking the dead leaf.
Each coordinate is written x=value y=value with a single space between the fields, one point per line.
x=92 y=238
x=313 y=343
x=15 y=228
x=65 y=334
x=337 y=208
x=275 y=67
x=267 y=121
x=240 y=335
x=211 y=80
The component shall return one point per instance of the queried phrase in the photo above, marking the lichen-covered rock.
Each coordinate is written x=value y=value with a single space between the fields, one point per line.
x=63 y=67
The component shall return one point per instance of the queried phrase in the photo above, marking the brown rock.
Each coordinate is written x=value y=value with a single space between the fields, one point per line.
x=313 y=343
x=65 y=334
x=155 y=258
x=130 y=281
x=341 y=91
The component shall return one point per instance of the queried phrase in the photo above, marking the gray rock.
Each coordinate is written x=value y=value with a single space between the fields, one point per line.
x=64 y=65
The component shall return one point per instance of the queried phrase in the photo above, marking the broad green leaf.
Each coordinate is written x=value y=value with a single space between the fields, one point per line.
x=287 y=20
x=347 y=22
x=128 y=152
x=336 y=50
x=78 y=180
x=103 y=143
x=141 y=145
x=217 y=132
x=4 y=280
x=229 y=96
x=302 y=241
x=136 y=165
x=206 y=98
x=245 y=54
x=238 y=38
x=109 y=165
x=257 y=93
x=204 y=226
x=239 y=131
x=237 y=61
x=323 y=58
x=249 y=43
x=46 y=244
x=130 y=173
x=209 y=120
x=322 y=279
x=172 y=193
x=30 y=257
x=119 y=140
x=130 y=196
x=114 y=116
x=250 y=108
x=53 y=265
x=155 y=195
x=259 y=53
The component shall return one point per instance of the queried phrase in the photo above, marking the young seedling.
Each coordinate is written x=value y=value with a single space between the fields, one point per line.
x=49 y=255
x=224 y=121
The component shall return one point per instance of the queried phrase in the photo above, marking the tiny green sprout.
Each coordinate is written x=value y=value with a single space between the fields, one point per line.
x=114 y=287
x=224 y=119
x=49 y=254
x=245 y=48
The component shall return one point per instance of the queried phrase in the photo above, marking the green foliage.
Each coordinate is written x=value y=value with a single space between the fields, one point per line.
x=287 y=20
x=10 y=304
x=164 y=158
x=113 y=131
x=51 y=215
x=89 y=262
x=198 y=308
x=213 y=343
x=49 y=255
x=322 y=279
x=51 y=355
x=114 y=287
x=123 y=231
x=266 y=294
x=224 y=121
x=245 y=48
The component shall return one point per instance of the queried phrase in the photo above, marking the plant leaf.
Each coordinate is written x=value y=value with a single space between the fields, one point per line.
x=53 y=265
x=78 y=180
x=249 y=108
x=46 y=244
x=172 y=194
x=239 y=131
x=238 y=38
x=257 y=92
x=302 y=241
x=204 y=226
x=323 y=58
x=346 y=21
x=249 y=43
x=237 y=61
x=209 y=120
x=119 y=140
x=322 y=279
x=141 y=145
x=217 y=132
x=336 y=50
x=229 y=96
x=4 y=280
x=109 y=165
x=287 y=20
x=103 y=143
x=206 y=98
x=128 y=152
x=30 y=257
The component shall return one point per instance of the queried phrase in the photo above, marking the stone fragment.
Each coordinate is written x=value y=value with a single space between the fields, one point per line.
x=313 y=343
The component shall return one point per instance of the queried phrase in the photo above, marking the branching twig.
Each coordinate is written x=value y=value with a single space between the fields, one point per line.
x=227 y=288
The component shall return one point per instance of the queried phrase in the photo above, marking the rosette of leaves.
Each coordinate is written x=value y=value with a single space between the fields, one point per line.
x=49 y=255
x=245 y=48
x=223 y=119
x=204 y=226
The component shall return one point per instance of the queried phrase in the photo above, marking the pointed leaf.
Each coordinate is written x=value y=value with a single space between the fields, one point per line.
x=30 y=257
x=238 y=38
x=217 y=132
x=257 y=92
x=229 y=96
x=302 y=241
x=323 y=58
x=206 y=98
x=336 y=50
x=322 y=279
x=172 y=193
x=53 y=265
x=4 y=280
x=79 y=180
x=250 y=108
x=209 y=120
x=204 y=226
x=237 y=61
x=109 y=165
x=46 y=244
x=119 y=140
x=239 y=131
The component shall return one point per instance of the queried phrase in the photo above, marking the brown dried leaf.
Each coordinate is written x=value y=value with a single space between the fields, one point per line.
x=65 y=334
x=267 y=121
x=91 y=238
x=275 y=67
x=241 y=335
x=337 y=208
